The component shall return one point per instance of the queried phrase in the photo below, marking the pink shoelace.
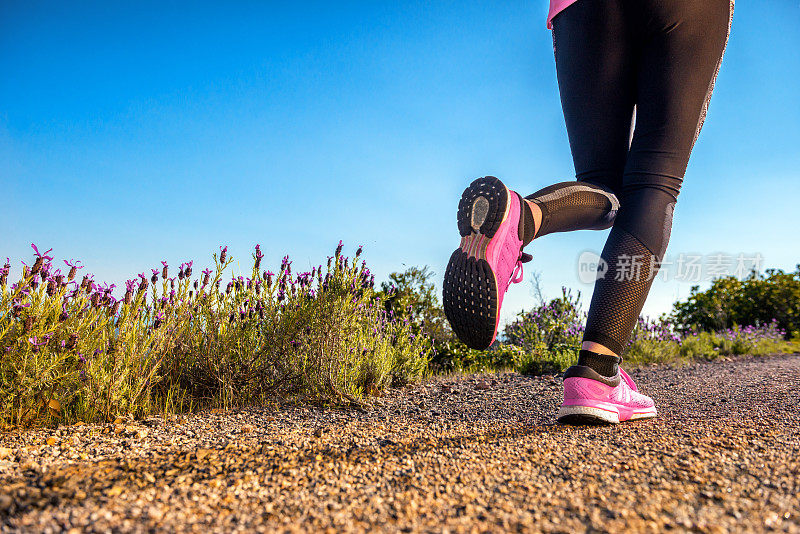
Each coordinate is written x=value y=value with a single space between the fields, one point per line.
x=518 y=274
x=629 y=380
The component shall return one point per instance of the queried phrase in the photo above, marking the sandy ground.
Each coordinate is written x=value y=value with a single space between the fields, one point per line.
x=469 y=453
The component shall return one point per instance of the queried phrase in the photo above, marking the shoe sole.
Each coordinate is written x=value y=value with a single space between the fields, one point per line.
x=581 y=415
x=470 y=287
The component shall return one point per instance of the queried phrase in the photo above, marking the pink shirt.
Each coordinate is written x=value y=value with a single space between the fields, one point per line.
x=556 y=7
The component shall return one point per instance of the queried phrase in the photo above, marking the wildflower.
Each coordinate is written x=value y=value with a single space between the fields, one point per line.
x=64 y=315
x=40 y=259
x=28 y=324
x=259 y=255
x=223 y=254
x=158 y=320
x=187 y=271
x=229 y=288
x=196 y=285
x=339 y=248
x=268 y=278
x=51 y=288
x=72 y=341
x=115 y=308
x=73 y=269
x=358 y=250
x=286 y=266
x=206 y=276
x=95 y=300
x=154 y=278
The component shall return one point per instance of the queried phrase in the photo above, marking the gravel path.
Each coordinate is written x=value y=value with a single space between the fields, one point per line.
x=474 y=453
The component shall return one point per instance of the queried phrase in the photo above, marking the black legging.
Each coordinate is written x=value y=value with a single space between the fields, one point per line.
x=611 y=55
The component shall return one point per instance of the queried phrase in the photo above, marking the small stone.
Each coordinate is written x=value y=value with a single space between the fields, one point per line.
x=247 y=428
x=51 y=441
x=482 y=385
x=5 y=452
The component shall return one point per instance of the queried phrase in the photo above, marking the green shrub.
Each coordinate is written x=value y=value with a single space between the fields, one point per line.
x=757 y=300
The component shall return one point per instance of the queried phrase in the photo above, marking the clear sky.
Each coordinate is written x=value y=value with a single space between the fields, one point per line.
x=135 y=132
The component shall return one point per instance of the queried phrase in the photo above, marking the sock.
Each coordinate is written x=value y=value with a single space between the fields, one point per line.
x=527 y=226
x=568 y=206
x=605 y=364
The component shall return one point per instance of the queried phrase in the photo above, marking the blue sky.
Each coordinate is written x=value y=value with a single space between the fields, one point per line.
x=132 y=133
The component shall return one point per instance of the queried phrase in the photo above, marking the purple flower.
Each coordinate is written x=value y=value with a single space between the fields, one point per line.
x=39 y=255
x=223 y=254
x=259 y=255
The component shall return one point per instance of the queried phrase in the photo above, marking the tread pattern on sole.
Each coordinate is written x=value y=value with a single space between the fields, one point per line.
x=469 y=290
x=470 y=299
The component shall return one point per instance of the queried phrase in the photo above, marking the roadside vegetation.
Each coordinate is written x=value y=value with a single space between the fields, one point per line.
x=759 y=315
x=73 y=349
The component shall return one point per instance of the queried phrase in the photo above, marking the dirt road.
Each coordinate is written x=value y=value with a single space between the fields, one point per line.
x=477 y=453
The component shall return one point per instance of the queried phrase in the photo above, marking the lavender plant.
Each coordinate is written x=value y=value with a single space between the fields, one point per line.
x=556 y=325
x=549 y=337
x=73 y=351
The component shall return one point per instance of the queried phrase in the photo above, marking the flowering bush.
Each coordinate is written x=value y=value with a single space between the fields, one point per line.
x=661 y=329
x=550 y=338
x=557 y=325
x=73 y=351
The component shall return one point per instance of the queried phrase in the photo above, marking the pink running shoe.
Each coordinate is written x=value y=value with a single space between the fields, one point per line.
x=492 y=223
x=590 y=397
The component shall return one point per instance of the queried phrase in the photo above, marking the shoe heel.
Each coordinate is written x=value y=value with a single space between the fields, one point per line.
x=482 y=207
x=581 y=415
